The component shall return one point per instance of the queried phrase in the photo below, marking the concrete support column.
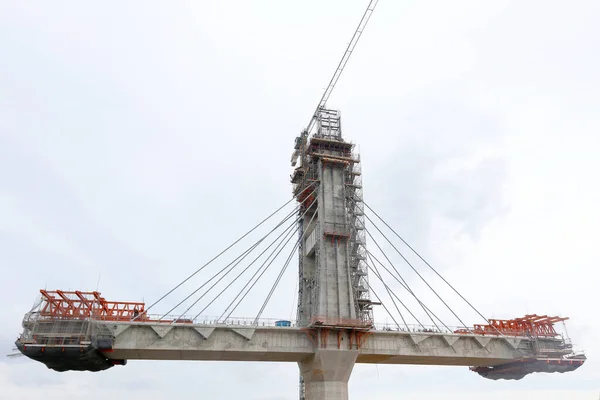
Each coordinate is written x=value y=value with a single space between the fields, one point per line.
x=326 y=374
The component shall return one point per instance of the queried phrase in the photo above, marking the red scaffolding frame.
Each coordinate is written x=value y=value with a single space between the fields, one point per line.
x=60 y=304
x=529 y=325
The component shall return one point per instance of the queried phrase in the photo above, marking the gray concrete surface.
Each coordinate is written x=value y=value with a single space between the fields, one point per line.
x=143 y=341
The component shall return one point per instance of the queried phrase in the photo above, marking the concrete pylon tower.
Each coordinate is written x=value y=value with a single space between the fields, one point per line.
x=333 y=296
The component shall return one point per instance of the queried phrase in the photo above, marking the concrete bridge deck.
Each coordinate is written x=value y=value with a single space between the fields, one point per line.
x=146 y=341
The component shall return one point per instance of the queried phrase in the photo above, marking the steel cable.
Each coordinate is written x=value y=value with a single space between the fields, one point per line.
x=383 y=305
x=287 y=234
x=285 y=265
x=233 y=267
x=407 y=286
x=214 y=258
x=416 y=272
x=429 y=265
x=372 y=257
x=390 y=292
x=267 y=266
x=237 y=260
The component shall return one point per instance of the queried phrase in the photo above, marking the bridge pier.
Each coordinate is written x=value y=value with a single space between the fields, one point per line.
x=326 y=374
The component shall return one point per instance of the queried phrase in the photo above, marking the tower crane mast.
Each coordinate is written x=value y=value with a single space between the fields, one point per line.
x=338 y=71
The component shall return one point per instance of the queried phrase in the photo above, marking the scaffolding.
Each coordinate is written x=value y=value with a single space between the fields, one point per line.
x=59 y=304
x=63 y=319
x=327 y=147
x=531 y=325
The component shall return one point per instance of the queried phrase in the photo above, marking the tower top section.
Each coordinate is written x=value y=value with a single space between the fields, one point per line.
x=328 y=127
x=329 y=124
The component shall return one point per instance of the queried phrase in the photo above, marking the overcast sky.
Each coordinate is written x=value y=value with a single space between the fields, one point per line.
x=138 y=138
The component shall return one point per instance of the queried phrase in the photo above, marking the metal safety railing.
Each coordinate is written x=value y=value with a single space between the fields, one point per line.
x=231 y=321
x=64 y=331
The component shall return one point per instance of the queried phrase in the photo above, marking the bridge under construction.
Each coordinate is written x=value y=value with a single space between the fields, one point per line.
x=334 y=328
x=326 y=231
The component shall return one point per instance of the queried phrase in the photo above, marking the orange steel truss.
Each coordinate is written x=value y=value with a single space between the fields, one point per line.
x=529 y=325
x=306 y=197
x=81 y=305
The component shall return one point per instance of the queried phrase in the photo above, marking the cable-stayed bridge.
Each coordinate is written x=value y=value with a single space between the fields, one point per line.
x=326 y=233
x=343 y=284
